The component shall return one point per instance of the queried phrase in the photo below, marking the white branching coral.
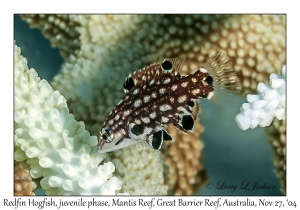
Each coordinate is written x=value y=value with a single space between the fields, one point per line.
x=262 y=108
x=52 y=144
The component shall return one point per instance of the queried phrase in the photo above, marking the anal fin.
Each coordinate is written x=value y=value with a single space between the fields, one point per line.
x=166 y=136
x=156 y=139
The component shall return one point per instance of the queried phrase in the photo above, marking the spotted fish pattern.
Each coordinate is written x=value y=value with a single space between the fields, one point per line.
x=158 y=95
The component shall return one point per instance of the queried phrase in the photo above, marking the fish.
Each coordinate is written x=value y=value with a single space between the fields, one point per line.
x=157 y=96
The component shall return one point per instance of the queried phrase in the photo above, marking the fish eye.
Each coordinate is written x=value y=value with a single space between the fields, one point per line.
x=166 y=65
x=106 y=134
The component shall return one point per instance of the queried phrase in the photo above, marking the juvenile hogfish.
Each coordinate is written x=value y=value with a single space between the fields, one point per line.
x=157 y=96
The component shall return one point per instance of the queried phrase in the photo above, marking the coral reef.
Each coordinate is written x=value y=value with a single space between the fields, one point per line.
x=109 y=47
x=59 y=29
x=23 y=184
x=140 y=168
x=262 y=108
x=186 y=173
x=52 y=144
x=277 y=139
x=106 y=56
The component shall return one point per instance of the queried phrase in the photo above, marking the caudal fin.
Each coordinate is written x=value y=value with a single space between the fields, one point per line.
x=225 y=82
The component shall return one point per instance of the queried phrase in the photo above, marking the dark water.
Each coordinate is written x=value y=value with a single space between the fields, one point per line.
x=37 y=50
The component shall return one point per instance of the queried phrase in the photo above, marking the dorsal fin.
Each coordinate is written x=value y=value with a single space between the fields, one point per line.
x=175 y=62
x=225 y=82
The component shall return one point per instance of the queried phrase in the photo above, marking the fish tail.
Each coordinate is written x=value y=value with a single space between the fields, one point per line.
x=224 y=80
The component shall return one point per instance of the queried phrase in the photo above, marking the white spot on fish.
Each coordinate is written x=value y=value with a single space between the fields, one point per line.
x=165 y=107
x=196 y=91
x=174 y=87
x=146 y=119
x=153 y=115
x=146 y=99
x=210 y=95
x=184 y=84
x=154 y=95
x=127 y=112
x=172 y=100
x=162 y=90
x=167 y=81
x=151 y=82
x=137 y=121
x=182 y=99
x=135 y=91
x=164 y=119
x=137 y=102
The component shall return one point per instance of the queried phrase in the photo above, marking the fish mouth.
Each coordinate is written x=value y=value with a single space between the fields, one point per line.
x=103 y=148
x=101 y=144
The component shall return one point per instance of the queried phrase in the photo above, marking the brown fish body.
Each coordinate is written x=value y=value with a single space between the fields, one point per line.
x=155 y=97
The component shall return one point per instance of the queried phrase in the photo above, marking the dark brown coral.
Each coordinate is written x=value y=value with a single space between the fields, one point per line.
x=23 y=184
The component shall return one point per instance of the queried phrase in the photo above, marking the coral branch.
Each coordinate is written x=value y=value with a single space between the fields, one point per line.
x=277 y=139
x=52 y=143
x=61 y=30
x=262 y=108
x=141 y=170
x=23 y=184
x=186 y=173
